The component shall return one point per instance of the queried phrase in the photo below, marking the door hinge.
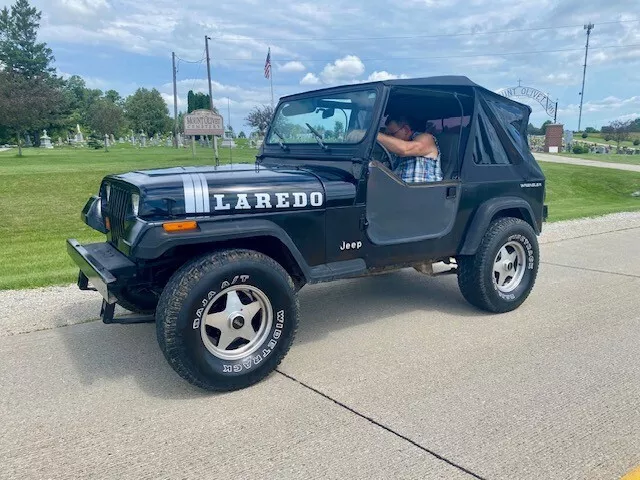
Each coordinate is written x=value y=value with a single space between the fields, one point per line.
x=363 y=222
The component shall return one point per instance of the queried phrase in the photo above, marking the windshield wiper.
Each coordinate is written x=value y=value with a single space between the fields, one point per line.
x=318 y=137
x=281 y=141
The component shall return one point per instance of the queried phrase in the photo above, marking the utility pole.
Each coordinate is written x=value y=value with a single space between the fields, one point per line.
x=175 y=103
x=588 y=28
x=206 y=46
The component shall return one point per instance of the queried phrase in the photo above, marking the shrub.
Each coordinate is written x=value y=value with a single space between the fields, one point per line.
x=607 y=138
x=580 y=149
x=585 y=135
x=636 y=142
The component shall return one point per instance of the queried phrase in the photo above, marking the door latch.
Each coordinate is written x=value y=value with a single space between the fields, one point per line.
x=451 y=192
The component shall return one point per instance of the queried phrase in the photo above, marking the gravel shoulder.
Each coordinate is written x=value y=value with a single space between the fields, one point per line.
x=30 y=310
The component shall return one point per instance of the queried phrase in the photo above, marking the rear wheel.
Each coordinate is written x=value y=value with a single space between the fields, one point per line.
x=226 y=320
x=501 y=274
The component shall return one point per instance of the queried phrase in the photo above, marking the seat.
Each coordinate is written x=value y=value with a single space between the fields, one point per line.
x=449 y=150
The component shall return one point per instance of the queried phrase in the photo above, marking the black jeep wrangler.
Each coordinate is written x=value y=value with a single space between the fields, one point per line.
x=219 y=253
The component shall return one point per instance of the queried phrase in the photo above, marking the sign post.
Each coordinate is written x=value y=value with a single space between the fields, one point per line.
x=204 y=122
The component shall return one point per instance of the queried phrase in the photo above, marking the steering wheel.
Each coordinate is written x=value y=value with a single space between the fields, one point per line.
x=383 y=157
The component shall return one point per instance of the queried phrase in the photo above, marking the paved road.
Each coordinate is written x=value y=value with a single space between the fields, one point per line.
x=545 y=157
x=390 y=377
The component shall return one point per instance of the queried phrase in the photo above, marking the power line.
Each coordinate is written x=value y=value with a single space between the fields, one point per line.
x=495 y=54
x=189 y=61
x=402 y=37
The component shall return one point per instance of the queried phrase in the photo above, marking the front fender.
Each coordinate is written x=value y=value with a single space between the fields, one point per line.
x=155 y=242
x=486 y=212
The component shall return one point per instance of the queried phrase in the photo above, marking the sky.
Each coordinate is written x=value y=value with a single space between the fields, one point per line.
x=127 y=44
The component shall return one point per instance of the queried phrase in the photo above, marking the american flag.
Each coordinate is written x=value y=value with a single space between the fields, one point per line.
x=267 y=65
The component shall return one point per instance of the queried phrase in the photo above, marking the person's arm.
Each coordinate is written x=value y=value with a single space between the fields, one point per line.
x=421 y=146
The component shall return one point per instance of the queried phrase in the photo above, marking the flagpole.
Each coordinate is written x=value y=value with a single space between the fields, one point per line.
x=271 y=76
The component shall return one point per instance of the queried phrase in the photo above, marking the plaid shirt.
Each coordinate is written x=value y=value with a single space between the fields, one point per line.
x=419 y=169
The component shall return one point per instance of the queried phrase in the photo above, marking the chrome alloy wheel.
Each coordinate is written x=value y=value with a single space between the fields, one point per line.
x=236 y=322
x=509 y=267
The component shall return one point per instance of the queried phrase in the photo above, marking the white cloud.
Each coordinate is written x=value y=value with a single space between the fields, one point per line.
x=346 y=68
x=310 y=79
x=384 y=75
x=84 y=7
x=294 y=66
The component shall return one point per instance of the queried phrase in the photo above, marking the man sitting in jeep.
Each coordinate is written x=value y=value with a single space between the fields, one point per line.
x=418 y=154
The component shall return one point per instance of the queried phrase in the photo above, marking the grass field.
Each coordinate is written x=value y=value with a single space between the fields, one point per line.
x=42 y=194
x=605 y=157
x=599 y=138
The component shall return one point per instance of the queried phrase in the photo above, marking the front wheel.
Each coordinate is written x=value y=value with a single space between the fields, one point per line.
x=501 y=274
x=226 y=320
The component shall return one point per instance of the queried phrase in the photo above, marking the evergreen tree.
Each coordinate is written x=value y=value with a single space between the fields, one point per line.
x=19 y=51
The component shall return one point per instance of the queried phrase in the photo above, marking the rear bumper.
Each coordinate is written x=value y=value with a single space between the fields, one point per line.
x=101 y=264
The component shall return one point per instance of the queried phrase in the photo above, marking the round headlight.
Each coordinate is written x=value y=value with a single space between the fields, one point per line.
x=135 y=203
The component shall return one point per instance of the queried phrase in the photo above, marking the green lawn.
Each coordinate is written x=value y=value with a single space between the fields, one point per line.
x=599 y=138
x=574 y=192
x=605 y=157
x=42 y=194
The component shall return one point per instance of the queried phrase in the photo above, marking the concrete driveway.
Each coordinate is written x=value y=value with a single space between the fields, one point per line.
x=390 y=377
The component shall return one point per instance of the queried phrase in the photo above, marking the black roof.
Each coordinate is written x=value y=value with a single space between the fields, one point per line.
x=442 y=80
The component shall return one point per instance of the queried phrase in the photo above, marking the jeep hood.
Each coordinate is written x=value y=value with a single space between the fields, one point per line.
x=235 y=189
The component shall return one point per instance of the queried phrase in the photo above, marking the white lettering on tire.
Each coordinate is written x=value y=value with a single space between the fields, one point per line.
x=256 y=359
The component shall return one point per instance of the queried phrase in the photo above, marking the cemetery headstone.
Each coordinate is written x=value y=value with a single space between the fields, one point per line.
x=46 y=141
x=79 y=136
x=143 y=139
x=28 y=142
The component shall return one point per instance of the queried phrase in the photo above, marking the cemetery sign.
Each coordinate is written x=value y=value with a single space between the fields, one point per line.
x=542 y=98
x=203 y=122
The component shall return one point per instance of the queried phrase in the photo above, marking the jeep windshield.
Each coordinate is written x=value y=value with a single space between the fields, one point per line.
x=327 y=118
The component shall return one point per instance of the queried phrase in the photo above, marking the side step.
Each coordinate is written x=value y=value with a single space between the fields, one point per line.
x=336 y=270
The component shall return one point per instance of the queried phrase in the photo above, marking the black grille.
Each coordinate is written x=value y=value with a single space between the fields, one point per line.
x=118 y=208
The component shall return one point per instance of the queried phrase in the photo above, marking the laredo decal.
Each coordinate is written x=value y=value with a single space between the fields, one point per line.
x=197 y=198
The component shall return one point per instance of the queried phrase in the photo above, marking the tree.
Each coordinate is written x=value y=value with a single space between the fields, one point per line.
x=338 y=129
x=242 y=134
x=260 y=118
x=197 y=101
x=533 y=130
x=620 y=131
x=113 y=97
x=19 y=51
x=544 y=126
x=147 y=111
x=105 y=117
x=590 y=130
x=28 y=103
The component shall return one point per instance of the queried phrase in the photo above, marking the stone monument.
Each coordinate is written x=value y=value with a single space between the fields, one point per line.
x=46 y=141
x=79 y=136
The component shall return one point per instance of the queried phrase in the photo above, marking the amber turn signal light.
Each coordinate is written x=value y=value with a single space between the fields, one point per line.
x=180 y=226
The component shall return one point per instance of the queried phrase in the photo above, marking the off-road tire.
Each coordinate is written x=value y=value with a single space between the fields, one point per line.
x=188 y=296
x=143 y=305
x=476 y=272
